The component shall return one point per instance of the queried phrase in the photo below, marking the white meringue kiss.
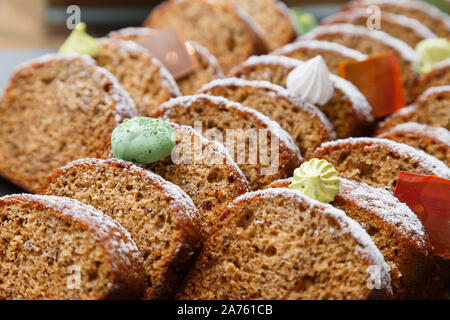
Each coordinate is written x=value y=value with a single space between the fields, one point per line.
x=311 y=81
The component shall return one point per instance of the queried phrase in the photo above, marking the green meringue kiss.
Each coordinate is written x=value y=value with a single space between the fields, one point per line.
x=143 y=140
x=317 y=179
x=80 y=42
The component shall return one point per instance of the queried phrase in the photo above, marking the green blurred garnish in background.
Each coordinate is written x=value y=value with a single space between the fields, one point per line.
x=304 y=22
x=444 y=5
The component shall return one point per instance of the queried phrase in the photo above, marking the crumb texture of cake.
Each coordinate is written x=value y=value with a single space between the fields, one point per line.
x=394 y=229
x=146 y=80
x=432 y=140
x=348 y=110
x=273 y=17
x=208 y=70
x=397 y=25
x=433 y=18
x=60 y=249
x=307 y=125
x=56 y=109
x=229 y=34
x=205 y=171
x=378 y=162
x=160 y=217
x=438 y=76
x=332 y=53
x=258 y=145
x=431 y=108
x=280 y=244
x=372 y=42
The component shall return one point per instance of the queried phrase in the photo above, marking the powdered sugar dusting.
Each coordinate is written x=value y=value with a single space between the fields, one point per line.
x=167 y=80
x=105 y=230
x=417 y=5
x=273 y=60
x=359 y=102
x=130 y=48
x=408 y=153
x=412 y=24
x=383 y=204
x=213 y=64
x=169 y=83
x=124 y=105
x=444 y=64
x=366 y=246
x=336 y=48
x=175 y=195
x=217 y=148
x=438 y=134
x=432 y=91
x=261 y=120
x=398 y=45
x=268 y=88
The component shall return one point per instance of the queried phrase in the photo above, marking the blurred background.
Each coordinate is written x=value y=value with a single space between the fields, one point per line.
x=41 y=23
x=29 y=28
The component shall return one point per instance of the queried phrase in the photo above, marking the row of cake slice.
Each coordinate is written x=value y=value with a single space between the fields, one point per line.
x=117 y=100
x=322 y=253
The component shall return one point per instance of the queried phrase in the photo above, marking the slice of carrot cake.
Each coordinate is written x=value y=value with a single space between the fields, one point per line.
x=432 y=140
x=280 y=244
x=348 y=110
x=378 y=162
x=208 y=70
x=56 y=109
x=144 y=77
x=59 y=249
x=395 y=230
x=333 y=53
x=230 y=35
x=307 y=125
x=261 y=148
x=160 y=217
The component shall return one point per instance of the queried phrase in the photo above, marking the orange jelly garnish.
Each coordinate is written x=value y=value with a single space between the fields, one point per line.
x=429 y=198
x=379 y=79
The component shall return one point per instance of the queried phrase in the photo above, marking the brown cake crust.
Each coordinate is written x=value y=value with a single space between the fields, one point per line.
x=378 y=162
x=209 y=66
x=431 y=108
x=348 y=110
x=372 y=42
x=279 y=105
x=432 y=140
x=274 y=19
x=260 y=251
x=186 y=110
x=332 y=53
x=430 y=16
x=438 y=76
x=126 y=273
x=253 y=44
x=395 y=230
x=147 y=81
x=399 y=26
x=191 y=234
x=35 y=142
x=213 y=183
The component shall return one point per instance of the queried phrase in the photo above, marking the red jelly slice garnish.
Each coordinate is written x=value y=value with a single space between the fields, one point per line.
x=379 y=79
x=429 y=198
